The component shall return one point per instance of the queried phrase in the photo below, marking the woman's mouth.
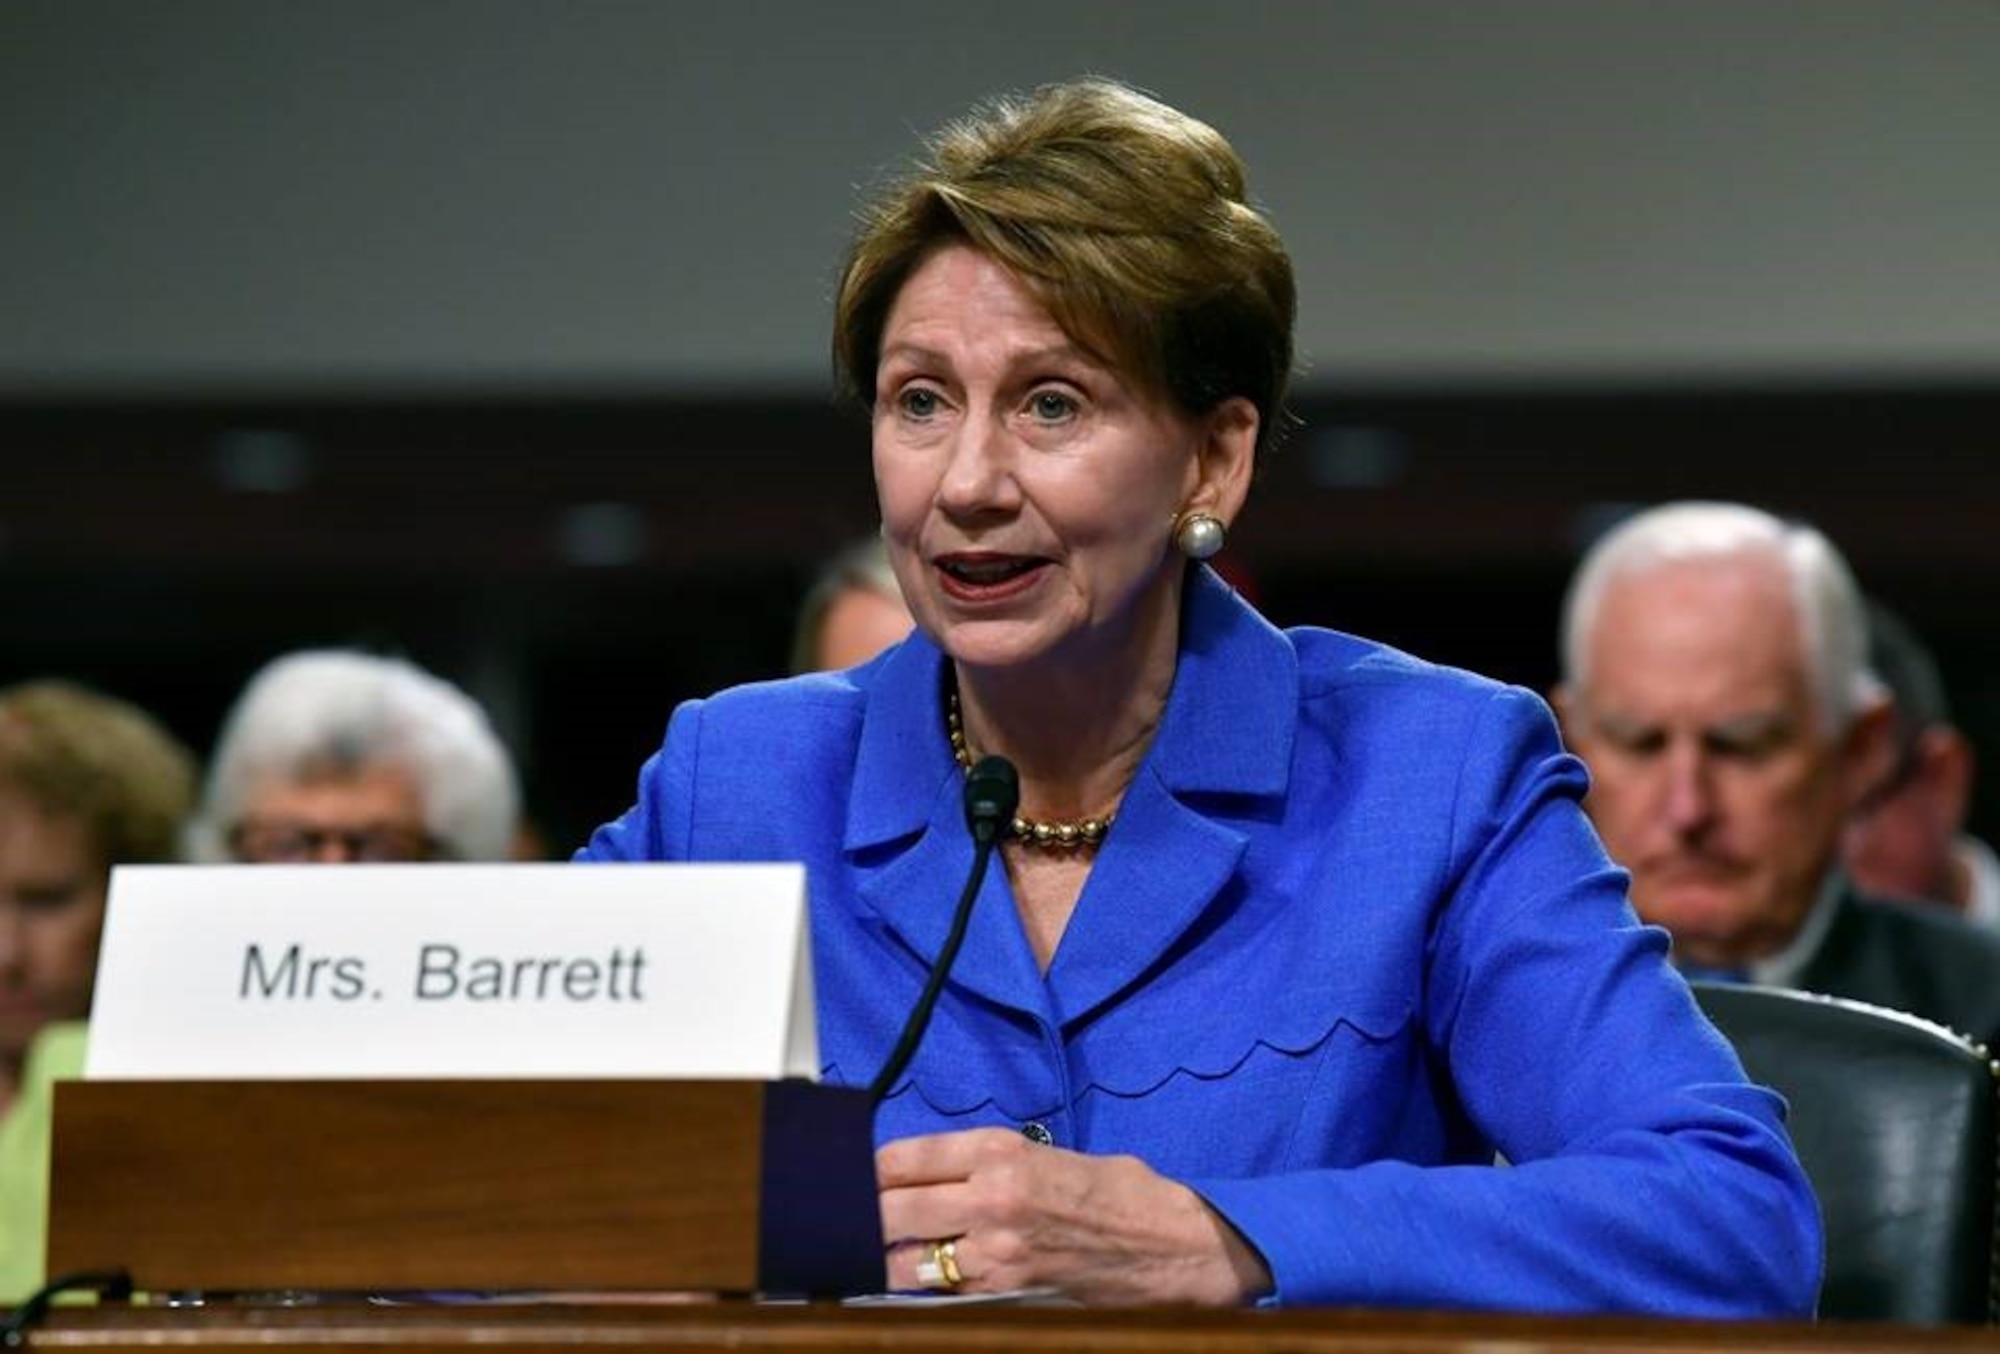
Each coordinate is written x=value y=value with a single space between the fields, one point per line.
x=988 y=577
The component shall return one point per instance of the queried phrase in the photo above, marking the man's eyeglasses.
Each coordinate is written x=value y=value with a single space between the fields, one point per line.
x=271 y=843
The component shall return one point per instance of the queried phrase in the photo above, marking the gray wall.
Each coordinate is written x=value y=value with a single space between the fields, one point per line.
x=594 y=196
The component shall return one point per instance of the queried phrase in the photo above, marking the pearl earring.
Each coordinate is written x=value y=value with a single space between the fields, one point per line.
x=1199 y=534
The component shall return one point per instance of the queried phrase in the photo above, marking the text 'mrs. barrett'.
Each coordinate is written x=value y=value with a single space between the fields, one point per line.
x=444 y=972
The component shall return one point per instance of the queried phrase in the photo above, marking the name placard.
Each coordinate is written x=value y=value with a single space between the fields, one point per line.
x=275 y=971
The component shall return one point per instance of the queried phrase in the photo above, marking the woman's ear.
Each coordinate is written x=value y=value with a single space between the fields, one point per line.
x=1227 y=458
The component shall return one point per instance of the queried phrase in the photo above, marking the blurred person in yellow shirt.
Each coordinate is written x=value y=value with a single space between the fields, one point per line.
x=86 y=782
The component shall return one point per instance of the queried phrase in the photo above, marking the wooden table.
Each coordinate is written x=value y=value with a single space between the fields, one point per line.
x=564 y=1328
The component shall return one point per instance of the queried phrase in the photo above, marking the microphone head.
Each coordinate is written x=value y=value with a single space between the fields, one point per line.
x=992 y=793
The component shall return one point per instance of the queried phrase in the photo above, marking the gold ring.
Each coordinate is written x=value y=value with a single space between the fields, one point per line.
x=940 y=1268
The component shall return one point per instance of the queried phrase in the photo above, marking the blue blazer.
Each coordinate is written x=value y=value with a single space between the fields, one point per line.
x=1350 y=936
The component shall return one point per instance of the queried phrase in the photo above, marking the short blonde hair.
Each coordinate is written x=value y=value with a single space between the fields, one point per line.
x=75 y=753
x=1128 y=218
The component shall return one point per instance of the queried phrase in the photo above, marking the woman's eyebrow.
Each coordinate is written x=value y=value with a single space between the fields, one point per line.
x=910 y=352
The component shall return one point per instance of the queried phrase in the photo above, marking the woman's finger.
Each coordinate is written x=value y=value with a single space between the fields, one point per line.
x=927 y=1212
x=938 y=1157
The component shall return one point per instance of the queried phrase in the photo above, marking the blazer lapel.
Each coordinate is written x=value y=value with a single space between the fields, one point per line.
x=1225 y=740
x=909 y=805
x=1158 y=871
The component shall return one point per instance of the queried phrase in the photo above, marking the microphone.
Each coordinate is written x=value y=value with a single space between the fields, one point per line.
x=992 y=793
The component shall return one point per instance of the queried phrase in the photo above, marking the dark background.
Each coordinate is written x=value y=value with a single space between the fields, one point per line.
x=582 y=566
x=493 y=332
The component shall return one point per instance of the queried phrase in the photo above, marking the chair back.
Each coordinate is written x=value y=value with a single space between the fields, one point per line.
x=1894 y=1120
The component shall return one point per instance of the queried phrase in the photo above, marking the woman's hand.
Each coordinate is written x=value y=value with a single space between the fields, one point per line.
x=1106 y=1230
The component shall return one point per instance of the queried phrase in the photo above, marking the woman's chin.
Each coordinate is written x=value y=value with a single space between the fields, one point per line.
x=997 y=645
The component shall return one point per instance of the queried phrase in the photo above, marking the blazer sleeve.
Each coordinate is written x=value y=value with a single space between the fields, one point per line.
x=660 y=823
x=1646 y=1175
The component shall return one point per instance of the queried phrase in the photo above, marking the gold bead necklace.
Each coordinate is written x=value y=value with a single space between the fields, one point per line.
x=1052 y=834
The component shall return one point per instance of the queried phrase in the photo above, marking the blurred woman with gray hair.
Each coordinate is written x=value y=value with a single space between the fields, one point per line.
x=334 y=756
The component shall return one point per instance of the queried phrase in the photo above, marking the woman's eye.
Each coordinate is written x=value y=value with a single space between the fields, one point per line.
x=918 y=402
x=1051 y=406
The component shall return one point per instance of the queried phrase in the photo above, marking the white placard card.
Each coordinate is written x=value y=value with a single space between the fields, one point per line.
x=277 y=971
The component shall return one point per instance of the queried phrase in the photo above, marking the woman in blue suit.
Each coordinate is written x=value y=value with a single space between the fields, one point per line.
x=1294 y=932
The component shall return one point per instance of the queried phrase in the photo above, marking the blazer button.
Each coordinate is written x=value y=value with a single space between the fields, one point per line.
x=1038 y=1132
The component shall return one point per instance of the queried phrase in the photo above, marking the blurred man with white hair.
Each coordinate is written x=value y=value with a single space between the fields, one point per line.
x=335 y=757
x=1716 y=683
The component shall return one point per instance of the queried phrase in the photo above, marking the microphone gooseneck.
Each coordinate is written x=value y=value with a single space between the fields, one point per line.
x=992 y=793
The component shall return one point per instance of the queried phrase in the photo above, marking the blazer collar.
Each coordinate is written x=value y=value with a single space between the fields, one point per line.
x=904 y=760
x=1228 y=726
x=1233 y=712
x=1228 y=729
x=908 y=789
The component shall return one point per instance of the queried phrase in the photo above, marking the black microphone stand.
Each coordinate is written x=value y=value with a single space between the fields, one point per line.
x=992 y=791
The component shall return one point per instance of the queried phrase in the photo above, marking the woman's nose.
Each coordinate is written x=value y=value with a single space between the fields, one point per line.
x=979 y=471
